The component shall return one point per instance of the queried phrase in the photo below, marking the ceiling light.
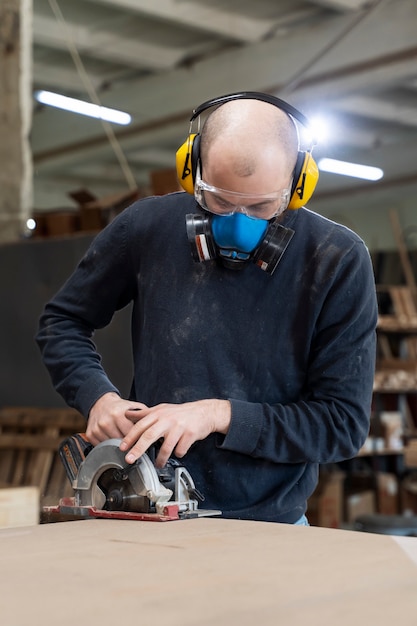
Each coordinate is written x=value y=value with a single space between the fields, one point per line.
x=83 y=108
x=355 y=170
x=317 y=131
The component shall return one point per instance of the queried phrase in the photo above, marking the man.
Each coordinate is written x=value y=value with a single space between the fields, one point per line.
x=253 y=378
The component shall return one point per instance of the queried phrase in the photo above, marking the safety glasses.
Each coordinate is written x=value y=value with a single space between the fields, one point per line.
x=223 y=202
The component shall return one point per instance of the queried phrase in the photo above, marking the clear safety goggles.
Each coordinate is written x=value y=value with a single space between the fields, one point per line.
x=223 y=202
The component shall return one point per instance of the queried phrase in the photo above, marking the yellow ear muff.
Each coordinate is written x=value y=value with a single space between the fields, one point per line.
x=305 y=181
x=185 y=164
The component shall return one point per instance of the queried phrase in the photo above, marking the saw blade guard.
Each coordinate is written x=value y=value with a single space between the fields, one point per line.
x=105 y=481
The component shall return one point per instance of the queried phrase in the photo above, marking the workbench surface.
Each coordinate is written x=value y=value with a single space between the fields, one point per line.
x=204 y=572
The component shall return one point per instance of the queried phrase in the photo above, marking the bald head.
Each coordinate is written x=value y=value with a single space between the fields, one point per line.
x=248 y=142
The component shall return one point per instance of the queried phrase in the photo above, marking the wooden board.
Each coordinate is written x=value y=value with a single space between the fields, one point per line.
x=19 y=507
x=203 y=572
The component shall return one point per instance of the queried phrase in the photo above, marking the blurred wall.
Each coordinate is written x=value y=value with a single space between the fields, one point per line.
x=31 y=271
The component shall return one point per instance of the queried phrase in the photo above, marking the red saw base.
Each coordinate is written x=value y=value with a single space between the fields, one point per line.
x=67 y=507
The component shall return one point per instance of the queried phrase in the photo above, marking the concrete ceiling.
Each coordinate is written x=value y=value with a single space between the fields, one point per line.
x=351 y=61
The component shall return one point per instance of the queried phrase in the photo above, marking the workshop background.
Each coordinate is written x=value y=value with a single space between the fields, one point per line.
x=64 y=176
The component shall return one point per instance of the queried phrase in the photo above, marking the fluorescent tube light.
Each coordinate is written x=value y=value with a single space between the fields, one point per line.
x=83 y=108
x=355 y=170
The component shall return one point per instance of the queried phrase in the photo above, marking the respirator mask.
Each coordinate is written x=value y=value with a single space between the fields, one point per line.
x=238 y=228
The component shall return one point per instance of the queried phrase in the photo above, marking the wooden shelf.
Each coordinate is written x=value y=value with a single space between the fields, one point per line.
x=394 y=324
x=396 y=375
x=393 y=364
x=393 y=390
x=383 y=452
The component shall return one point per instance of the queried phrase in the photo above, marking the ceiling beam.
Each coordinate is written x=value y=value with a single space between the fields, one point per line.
x=376 y=108
x=47 y=75
x=151 y=135
x=159 y=157
x=111 y=47
x=227 y=24
x=342 y=5
x=377 y=73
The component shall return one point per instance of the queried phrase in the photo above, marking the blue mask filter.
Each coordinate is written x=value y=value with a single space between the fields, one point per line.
x=237 y=239
x=237 y=235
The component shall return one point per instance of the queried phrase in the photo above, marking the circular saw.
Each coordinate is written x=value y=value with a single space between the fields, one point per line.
x=105 y=486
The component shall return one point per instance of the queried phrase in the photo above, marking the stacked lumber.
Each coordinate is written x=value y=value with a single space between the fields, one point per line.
x=410 y=453
x=29 y=442
x=403 y=322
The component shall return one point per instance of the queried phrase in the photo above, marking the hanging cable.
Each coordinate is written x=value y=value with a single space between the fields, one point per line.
x=89 y=87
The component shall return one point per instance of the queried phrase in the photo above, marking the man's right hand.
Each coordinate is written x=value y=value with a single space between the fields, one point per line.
x=107 y=418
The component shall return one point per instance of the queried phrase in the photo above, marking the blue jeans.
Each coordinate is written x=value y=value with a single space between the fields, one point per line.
x=303 y=521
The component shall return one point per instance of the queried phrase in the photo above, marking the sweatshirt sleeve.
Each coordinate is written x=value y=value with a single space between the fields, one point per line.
x=100 y=285
x=330 y=420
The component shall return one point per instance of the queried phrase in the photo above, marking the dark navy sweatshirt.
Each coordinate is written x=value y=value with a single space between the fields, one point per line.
x=294 y=351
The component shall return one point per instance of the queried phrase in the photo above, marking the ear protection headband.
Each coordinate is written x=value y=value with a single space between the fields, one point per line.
x=306 y=172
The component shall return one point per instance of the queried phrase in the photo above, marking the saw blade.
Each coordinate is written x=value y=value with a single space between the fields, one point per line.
x=105 y=481
x=120 y=494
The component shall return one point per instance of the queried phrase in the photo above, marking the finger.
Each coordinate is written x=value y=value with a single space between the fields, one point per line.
x=97 y=434
x=92 y=438
x=166 y=450
x=137 y=430
x=140 y=443
x=135 y=406
x=163 y=455
x=134 y=414
x=183 y=445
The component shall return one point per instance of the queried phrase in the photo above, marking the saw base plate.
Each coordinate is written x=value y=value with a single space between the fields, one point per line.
x=171 y=512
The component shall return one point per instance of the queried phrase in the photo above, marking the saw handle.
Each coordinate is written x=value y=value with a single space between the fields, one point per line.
x=72 y=452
